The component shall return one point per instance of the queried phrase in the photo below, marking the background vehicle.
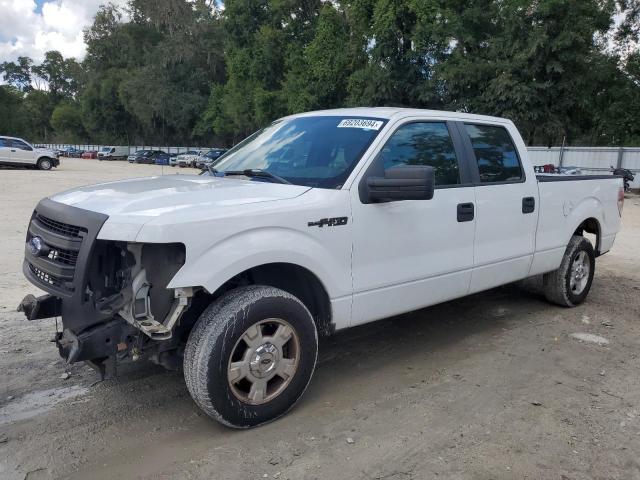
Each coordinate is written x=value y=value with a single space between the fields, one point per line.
x=209 y=157
x=162 y=158
x=90 y=155
x=72 y=152
x=150 y=157
x=139 y=153
x=113 y=153
x=18 y=152
x=189 y=158
x=173 y=159
x=319 y=222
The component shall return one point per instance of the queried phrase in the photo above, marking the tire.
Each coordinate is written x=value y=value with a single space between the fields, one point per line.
x=45 y=164
x=562 y=286
x=237 y=367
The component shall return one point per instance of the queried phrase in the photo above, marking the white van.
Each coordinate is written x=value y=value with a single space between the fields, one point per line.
x=113 y=153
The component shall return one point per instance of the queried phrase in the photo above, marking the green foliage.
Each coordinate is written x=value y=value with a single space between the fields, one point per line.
x=183 y=72
x=66 y=120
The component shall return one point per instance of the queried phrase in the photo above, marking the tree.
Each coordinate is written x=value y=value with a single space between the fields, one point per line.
x=18 y=74
x=66 y=121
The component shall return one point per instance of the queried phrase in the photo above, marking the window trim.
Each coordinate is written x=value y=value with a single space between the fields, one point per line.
x=465 y=174
x=473 y=161
x=14 y=140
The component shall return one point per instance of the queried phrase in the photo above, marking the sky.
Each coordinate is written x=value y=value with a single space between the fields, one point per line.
x=32 y=27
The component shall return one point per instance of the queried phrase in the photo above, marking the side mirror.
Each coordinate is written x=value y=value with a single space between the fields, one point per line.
x=409 y=182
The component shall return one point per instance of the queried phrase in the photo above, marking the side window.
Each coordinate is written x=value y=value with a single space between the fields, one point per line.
x=20 y=145
x=424 y=143
x=496 y=154
x=3 y=143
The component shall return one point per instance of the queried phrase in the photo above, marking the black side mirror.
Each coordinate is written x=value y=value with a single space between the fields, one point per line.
x=409 y=182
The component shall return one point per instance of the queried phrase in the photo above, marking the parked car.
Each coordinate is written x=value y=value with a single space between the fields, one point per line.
x=19 y=153
x=113 y=153
x=139 y=153
x=150 y=158
x=90 y=155
x=319 y=222
x=72 y=152
x=209 y=157
x=162 y=158
x=188 y=158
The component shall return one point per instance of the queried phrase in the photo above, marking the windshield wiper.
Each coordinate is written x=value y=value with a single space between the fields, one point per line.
x=255 y=172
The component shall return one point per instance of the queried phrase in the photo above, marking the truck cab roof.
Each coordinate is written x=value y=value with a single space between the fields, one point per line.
x=389 y=113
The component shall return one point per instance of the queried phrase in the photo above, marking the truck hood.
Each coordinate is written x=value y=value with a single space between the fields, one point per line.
x=151 y=197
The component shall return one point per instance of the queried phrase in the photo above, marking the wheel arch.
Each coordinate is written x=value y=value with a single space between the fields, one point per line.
x=295 y=279
x=590 y=225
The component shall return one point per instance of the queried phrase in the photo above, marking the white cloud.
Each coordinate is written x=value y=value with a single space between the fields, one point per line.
x=26 y=32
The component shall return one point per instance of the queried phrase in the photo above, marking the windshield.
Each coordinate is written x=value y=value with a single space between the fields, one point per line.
x=312 y=151
x=105 y=149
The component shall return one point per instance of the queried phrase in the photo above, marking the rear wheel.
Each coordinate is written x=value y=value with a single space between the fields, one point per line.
x=45 y=164
x=250 y=356
x=569 y=285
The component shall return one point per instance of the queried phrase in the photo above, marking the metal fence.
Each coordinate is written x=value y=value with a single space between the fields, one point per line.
x=591 y=160
x=132 y=148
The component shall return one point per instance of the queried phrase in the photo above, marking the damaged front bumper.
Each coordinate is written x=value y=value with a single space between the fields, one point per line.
x=107 y=293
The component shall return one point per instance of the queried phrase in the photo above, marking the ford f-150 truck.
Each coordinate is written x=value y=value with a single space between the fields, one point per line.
x=19 y=153
x=319 y=222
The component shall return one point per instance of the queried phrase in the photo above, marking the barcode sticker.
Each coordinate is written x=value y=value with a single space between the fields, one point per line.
x=360 y=123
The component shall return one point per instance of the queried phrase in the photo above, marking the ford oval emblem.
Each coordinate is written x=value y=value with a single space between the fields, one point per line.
x=36 y=246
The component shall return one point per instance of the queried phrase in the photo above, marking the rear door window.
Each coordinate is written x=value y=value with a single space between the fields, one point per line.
x=495 y=153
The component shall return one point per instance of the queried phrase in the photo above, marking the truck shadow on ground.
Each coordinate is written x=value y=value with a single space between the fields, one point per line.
x=385 y=347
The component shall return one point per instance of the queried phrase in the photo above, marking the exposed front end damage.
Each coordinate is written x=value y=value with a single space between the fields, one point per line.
x=112 y=296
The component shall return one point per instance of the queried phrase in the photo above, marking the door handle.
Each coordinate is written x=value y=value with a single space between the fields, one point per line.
x=12 y=150
x=465 y=212
x=528 y=204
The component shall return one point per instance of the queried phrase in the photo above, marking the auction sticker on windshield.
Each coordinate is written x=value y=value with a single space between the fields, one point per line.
x=360 y=123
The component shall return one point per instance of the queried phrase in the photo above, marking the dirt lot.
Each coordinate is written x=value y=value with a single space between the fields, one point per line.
x=489 y=387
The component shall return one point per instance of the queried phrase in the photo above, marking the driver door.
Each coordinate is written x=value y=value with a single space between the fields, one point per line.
x=5 y=150
x=414 y=253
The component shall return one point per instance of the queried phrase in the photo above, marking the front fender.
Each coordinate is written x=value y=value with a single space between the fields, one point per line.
x=264 y=245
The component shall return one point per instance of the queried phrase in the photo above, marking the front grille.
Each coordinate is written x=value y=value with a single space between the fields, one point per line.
x=55 y=269
x=65 y=257
x=59 y=227
x=49 y=279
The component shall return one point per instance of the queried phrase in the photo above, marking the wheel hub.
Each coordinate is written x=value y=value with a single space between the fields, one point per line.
x=580 y=270
x=264 y=360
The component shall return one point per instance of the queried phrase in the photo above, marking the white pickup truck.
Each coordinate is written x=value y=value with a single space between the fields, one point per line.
x=319 y=222
x=17 y=152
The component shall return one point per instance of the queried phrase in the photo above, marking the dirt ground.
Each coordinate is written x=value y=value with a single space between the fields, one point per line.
x=493 y=386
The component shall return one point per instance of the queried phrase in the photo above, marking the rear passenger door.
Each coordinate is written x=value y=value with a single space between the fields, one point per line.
x=506 y=206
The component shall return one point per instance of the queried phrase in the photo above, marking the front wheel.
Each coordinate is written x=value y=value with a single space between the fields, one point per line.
x=45 y=164
x=569 y=285
x=250 y=356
